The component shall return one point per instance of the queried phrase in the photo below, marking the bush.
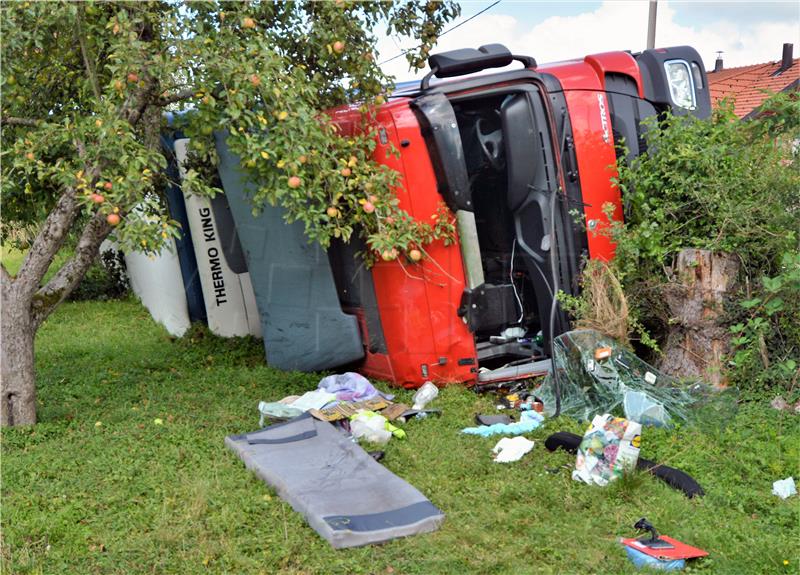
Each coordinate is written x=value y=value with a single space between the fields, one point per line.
x=727 y=186
x=106 y=279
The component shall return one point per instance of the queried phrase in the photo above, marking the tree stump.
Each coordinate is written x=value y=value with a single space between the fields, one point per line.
x=697 y=341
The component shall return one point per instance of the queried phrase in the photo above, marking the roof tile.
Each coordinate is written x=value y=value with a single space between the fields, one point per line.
x=748 y=85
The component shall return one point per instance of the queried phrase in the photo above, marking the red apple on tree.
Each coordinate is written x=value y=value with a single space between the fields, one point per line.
x=389 y=255
x=346 y=172
x=113 y=219
x=108 y=186
x=369 y=207
x=338 y=46
x=415 y=255
x=294 y=182
x=98 y=198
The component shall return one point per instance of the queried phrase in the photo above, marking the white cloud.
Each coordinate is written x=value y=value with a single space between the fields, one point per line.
x=486 y=29
x=612 y=26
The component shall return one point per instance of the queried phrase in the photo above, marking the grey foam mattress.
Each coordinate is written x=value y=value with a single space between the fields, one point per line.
x=344 y=494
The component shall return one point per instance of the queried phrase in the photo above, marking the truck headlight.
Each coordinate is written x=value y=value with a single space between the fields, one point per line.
x=681 y=85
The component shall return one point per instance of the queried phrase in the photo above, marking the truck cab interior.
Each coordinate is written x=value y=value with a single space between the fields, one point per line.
x=498 y=174
x=511 y=173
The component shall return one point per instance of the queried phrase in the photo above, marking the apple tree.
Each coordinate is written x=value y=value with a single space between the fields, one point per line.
x=85 y=87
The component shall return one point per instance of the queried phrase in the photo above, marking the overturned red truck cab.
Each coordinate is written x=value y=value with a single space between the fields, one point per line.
x=515 y=155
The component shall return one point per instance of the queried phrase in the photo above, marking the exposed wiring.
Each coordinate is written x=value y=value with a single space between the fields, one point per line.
x=514 y=285
x=404 y=52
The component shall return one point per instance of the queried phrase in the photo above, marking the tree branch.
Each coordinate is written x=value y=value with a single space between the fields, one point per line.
x=66 y=279
x=48 y=241
x=51 y=235
x=176 y=97
x=143 y=97
x=90 y=70
x=5 y=277
x=15 y=121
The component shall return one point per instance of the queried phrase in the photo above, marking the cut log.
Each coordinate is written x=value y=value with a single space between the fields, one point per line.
x=698 y=341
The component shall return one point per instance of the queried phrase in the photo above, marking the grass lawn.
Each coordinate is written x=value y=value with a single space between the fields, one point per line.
x=98 y=487
x=12 y=259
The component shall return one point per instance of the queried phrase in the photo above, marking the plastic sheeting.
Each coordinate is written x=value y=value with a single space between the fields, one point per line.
x=625 y=385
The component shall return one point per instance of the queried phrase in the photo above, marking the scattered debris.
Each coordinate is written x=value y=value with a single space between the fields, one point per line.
x=521 y=401
x=374 y=427
x=425 y=395
x=371 y=427
x=347 y=410
x=784 y=488
x=394 y=411
x=609 y=448
x=276 y=410
x=511 y=449
x=529 y=420
x=780 y=404
x=673 y=477
x=313 y=400
x=350 y=386
x=419 y=413
x=493 y=419
x=659 y=551
x=589 y=381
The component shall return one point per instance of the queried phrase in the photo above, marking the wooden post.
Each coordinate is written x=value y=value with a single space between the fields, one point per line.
x=697 y=341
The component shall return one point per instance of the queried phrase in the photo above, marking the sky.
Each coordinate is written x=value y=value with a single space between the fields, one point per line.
x=746 y=32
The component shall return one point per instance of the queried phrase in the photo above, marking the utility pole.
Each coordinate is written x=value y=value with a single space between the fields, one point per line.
x=651 y=25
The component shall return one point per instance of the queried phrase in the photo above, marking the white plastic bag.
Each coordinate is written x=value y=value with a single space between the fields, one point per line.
x=784 y=488
x=371 y=427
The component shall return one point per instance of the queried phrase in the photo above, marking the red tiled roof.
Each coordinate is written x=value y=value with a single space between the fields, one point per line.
x=745 y=84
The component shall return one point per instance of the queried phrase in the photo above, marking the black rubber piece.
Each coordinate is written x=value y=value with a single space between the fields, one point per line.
x=675 y=478
x=492 y=419
x=376 y=455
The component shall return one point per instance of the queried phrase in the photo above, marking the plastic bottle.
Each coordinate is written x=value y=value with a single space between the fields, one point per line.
x=425 y=395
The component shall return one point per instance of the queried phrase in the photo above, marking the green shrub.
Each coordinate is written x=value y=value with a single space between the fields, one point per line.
x=106 y=279
x=727 y=186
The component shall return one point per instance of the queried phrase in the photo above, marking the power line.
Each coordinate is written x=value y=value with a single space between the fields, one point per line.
x=403 y=53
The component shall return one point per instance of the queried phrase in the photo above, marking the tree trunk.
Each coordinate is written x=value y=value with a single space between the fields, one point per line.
x=18 y=395
x=698 y=341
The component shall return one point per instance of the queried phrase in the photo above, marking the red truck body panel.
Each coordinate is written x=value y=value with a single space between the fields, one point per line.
x=425 y=338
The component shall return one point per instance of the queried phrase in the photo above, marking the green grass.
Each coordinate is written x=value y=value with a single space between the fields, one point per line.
x=98 y=487
x=12 y=260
